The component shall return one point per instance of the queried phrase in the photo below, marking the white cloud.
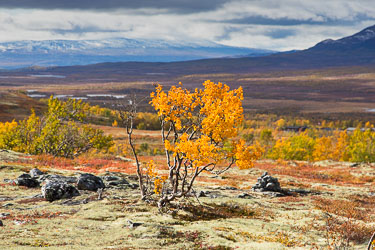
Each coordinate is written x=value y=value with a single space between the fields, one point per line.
x=253 y=23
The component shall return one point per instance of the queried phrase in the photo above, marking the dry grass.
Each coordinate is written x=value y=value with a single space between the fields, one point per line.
x=225 y=222
x=345 y=222
x=307 y=173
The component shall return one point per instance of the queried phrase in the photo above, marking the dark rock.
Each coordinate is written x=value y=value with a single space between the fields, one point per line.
x=24 y=176
x=134 y=224
x=35 y=173
x=1 y=223
x=114 y=181
x=52 y=191
x=27 y=181
x=244 y=196
x=202 y=194
x=89 y=182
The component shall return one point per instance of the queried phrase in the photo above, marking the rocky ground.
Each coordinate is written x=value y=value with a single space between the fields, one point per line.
x=275 y=205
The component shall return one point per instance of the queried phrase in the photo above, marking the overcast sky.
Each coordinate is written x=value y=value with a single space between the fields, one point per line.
x=267 y=24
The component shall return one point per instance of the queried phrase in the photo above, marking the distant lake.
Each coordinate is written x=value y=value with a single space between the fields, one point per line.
x=31 y=93
x=36 y=96
x=80 y=98
x=49 y=76
x=106 y=95
x=370 y=110
x=63 y=96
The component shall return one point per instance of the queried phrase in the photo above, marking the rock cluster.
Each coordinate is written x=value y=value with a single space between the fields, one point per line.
x=60 y=187
x=267 y=183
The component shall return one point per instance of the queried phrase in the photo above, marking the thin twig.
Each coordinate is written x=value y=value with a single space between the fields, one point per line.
x=369 y=247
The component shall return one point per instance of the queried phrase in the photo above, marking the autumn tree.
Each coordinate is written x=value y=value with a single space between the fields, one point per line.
x=56 y=132
x=198 y=131
x=297 y=147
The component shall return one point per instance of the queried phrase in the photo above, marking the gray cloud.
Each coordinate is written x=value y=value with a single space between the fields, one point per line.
x=179 y=6
x=82 y=30
x=268 y=24
x=259 y=20
x=325 y=20
x=280 y=33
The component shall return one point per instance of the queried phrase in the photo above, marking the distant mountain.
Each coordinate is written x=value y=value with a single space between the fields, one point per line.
x=356 y=50
x=66 y=52
x=364 y=38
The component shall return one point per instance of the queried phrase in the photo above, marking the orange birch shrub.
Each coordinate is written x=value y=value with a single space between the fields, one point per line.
x=198 y=130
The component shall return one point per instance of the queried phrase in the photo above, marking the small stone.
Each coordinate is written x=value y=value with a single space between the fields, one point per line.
x=134 y=224
x=4 y=215
x=244 y=196
x=35 y=173
x=8 y=180
x=202 y=194
x=1 y=224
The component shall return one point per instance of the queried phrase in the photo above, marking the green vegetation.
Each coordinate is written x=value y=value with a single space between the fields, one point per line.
x=57 y=132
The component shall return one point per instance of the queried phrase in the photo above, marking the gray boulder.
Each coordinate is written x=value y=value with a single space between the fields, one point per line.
x=89 y=182
x=52 y=191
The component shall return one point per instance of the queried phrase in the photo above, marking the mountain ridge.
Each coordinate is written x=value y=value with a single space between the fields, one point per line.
x=70 y=52
x=348 y=51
